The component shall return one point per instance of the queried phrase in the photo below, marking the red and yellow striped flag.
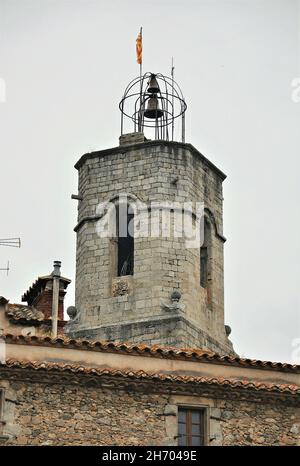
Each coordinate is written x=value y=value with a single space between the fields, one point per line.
x=139 y=48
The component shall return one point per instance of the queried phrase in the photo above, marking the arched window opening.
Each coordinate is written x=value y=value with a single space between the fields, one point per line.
x=125 y=240
x=203 y=266
x=205 y=255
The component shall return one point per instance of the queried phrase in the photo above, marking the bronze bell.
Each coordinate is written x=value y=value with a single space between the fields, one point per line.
x=153 y=87
x=153 y=110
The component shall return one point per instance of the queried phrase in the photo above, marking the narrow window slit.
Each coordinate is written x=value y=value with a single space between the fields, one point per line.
x=125 y=240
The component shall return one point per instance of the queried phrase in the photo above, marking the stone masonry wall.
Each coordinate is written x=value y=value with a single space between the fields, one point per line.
x=66 y=414
x=170 y=330
x=149 y=172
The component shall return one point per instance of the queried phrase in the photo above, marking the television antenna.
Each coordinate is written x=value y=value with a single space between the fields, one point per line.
x=6 y=268
x=11 y=243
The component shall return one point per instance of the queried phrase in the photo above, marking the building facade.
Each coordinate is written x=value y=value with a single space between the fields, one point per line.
x=60 y=392
x=145 y=357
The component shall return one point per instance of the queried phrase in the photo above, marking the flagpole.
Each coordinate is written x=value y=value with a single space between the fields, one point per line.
x=141 y=64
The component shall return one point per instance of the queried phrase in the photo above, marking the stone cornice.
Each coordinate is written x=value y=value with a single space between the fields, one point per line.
x=148 y=144
x=171 y=317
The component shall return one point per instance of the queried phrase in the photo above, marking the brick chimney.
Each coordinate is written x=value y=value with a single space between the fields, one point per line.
x=40 y=295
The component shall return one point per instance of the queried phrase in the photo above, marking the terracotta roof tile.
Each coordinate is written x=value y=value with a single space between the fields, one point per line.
x=19 y=312
x=151 y=351
x=214 y=381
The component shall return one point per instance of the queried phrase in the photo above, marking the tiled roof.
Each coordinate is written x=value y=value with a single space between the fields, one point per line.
x=141 y=375
x=23 y=315
x=151 y=351
x=19 y=312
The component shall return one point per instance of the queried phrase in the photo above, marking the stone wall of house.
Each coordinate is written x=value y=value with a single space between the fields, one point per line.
x=254 y=423
x=149 y=172
x=76 y=414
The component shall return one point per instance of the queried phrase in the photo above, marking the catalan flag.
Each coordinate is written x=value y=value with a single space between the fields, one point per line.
x=139 y=48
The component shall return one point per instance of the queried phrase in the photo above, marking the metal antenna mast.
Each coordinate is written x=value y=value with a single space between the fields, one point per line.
x=11 y=243
x=6 y=269
x=172 y=74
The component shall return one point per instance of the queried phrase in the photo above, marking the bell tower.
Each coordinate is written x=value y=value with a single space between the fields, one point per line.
x=149 y=261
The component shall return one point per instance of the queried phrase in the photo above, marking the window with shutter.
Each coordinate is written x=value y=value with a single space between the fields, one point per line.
x=191 y=427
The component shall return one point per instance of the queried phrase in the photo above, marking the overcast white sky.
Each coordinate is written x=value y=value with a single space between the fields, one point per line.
x=66 y=63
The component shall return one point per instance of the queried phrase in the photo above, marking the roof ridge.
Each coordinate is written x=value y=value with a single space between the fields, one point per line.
x=141 y=374
x=154 y=350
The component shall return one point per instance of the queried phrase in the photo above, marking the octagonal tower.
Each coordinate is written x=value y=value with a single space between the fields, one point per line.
x=139 y=277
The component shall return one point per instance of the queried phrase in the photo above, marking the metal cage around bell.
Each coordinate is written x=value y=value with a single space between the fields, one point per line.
x=154 y=101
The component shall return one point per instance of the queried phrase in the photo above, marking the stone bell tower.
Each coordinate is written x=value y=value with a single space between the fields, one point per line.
x=151 y=287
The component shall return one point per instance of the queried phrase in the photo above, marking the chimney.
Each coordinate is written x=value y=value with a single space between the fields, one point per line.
x=3 y=302
x=40 y=294
x=55 y=297
x=3 y=323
